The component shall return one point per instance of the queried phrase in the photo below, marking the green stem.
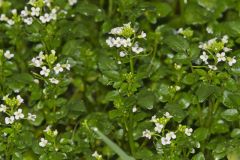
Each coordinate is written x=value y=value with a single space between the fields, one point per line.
x=130 y=134
x=131 y=65
x=110 y=5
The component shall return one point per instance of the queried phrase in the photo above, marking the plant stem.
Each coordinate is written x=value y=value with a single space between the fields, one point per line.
x=131 y=65
x=110 y=4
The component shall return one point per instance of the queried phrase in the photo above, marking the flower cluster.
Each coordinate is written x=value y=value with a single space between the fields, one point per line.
x=160 y=123
x=125 y=38
x=187 y=33
x=12 y=110
x=38 y=10
x=214 y=52
x=49 y=69
x=49 y=136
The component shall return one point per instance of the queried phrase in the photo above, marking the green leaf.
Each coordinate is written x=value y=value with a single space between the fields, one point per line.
x=230 y=114
x=231 y=99
x=113 y=146
x=204 y=91
x=235 y=133
x=199 y=156
x=177 y=43
x=201 y=134
x=146 y=99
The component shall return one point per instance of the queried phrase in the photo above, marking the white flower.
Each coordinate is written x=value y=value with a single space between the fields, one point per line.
x=171 y=135
x=47 y=129
x=8 y=55
x=231 y=61
x=212 y=67
x=45 y=18
x=20 y=100
x=31 y=117
x=3 y=108
x=221 y=57
x=165 y=141
x=180 y=30
x=168 y=115
x=116 y=31
x=67 y=66
x=54 y=80
x=126 y=42
x=18 y=114
x=10 y=22
x=158 y=128
x=154 y=119
x=142 y=35
x=3 y=17
x=58 y=68
x=209 y=30
x=55 y=132
x=45 y=71
x=122 y=54
x=14 y=11
x=9 y=120
x=117 y=42
x=188 y=131
x=24 y=13
x=28 y=20
x=134 y=109
x=226 y=49
x=96 y=155
x=72 y=2
x=204 y=57
x=225 y=39
x=35 y=11
x=137 y=49
x=37 y=62
x=43 y=142
x=41 y=55
x=147 y=134
x=110 y=41
x=36 y=81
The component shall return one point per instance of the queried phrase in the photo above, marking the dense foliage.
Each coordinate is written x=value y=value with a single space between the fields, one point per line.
x=119 y=79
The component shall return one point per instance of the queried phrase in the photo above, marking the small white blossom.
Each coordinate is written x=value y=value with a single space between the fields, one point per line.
x=142 y=35
x=3 y=17
x=55 y=132
x=47 y=129
x=225 y=39
x=28 y=20
x=134 y=109
x=204 y=57
x=212 y=67
x=35 y=11
x=158 y=128
x=45 y=71
x=168 y=115
x=9 y=120
x=72 y=2
x=154 y=119
x=67 y=66
x=122 y=54
x=96 y=155
x=18 y=114
x=8 y=54
x=226 y=49
x=20 y=100
x=209 y=30
x=110 y=41
x=3 y=108
x=188 y=131
x=117 y=42
x=147 y=134
x=116 y=31
x=25 y=12
x=54 y=80
x=231 y=61
x=43 y=142
x=171 y=135
x=10 y=22
x=180 y=30
x=14 y=11
x=31 y=117
x=165 y=141
x=37 y=62
x=58 y=68
x=221 y=57
x=137 y=49
x=126 y=42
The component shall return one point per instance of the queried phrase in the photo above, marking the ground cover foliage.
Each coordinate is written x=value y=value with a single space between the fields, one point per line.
x=124 y=79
